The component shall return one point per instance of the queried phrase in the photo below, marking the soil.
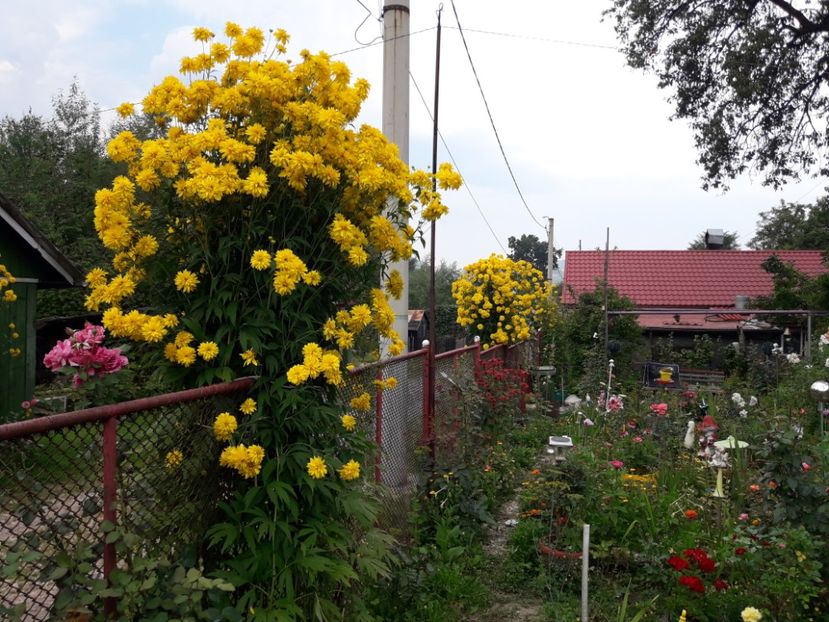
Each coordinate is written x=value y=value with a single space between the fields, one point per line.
x=505 y=606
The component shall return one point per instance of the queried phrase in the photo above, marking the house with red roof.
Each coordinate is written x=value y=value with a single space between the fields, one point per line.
x=711 y=286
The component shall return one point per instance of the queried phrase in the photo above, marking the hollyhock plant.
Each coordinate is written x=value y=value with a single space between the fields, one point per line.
x=84 y=356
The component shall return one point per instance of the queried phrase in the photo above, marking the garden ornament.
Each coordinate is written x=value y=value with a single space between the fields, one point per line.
x=709 y=428
x=558 y=447
x=719 y=461
x=688 y=443
x=703 y=409
x=820 y=392
x=730 y=443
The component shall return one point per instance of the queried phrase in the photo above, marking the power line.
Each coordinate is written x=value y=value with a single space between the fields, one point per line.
x=457 y=168
x=491 y=121
x=365 y=19
x=544 y=39
x=368 y=45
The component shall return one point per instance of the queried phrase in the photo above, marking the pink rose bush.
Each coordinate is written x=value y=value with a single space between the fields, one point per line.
x=84 y=354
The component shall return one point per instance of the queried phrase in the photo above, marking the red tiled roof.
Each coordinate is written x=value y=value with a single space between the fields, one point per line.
x=708 y=278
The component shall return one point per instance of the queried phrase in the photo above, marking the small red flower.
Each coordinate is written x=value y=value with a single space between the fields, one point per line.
x=707 y=564
x=677 y=563
x=691 y=514
x=740 y=551
x=720 y=585
x=692 y=583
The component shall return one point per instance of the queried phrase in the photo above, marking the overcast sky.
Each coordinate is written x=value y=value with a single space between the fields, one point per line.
x=589 y=139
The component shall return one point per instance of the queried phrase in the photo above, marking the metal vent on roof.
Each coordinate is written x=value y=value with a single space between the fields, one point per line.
x=714 y=238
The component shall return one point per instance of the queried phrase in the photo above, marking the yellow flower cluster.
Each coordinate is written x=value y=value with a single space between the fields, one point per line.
x=361 y=402
x=350 y=470
x=173 y=459
x=139 y=326
x=248 y=407
x=348 y=422
x=388 y=383
x=502 y=298
x=317 y=362
x=246 y=460
x=642 y=482
x=181 y=352
x=316 y=467
x=290 y=270
x=224 y=426
x=7 y=279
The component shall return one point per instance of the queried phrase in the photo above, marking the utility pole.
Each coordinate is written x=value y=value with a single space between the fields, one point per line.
x=550 y=250
x=396 y=126
x=606 y=313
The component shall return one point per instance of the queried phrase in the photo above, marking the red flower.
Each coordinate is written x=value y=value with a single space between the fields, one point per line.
x=677 y=563
x=659 y=409
x=740 y=551
x=691 y=514
x=720 y=585
x=695 y=554
x=707 y=564
x=692 y=583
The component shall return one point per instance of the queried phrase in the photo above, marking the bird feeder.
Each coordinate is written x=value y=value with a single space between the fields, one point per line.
x=558 y=446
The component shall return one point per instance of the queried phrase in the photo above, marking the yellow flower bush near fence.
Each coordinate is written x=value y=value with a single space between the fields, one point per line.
x=257 y=218
x=501 y=300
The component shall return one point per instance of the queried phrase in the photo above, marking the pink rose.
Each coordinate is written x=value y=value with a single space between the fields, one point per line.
x=660 y=409
x=805 y=466
x=743 y=516
x=617 y=464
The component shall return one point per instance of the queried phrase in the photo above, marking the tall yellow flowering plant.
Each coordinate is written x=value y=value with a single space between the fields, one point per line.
x=259 y=221
x=502 y=300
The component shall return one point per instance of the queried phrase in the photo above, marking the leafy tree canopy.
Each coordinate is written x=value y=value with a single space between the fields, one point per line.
x=51 y=168
x=750 y=76
x=794 y=226
x=445 y=275
x=531 y=249
x=730 y=242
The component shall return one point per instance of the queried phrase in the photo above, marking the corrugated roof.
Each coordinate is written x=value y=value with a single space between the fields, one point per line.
x=707 y=278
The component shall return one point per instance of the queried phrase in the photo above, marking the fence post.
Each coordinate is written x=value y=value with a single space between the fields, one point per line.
x=110 y=457
x=428 y=417
x=378 y=420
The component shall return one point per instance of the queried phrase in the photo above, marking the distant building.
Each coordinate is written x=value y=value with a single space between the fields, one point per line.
x=722 y=281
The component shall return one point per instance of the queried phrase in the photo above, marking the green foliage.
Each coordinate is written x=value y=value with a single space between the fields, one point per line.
x=794 y=226
x=579 y=338
x=419 y=280
x=142 y=587
x=50 y=169
x=734 y=67
x=531 y=249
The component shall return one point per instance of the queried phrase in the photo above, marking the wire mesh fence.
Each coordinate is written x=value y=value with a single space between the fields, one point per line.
x=149 y=464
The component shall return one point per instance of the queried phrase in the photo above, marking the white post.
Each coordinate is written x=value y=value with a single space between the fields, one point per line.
x=396 y=126
x=585 y=565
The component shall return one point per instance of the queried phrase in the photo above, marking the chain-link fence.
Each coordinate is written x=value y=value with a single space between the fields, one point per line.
x=148 y=464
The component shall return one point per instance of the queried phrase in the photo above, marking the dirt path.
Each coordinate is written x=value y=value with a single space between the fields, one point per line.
x=508 y=606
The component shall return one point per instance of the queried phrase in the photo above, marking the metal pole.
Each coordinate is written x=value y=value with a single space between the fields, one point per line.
x=808 y=337
x=396 y=126
x=378 y=422
x=110 y=460
x=550 y=250
x=606 y=316
x=432 y=304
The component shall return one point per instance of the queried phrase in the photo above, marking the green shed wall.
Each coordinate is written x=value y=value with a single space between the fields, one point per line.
x=17 y=374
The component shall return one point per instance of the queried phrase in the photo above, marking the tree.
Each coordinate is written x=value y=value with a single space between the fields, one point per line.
x=729 y=242
x=794 y=226
x=419 y=277
x=749 y=75
x=51 y=169
x=531 y=249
